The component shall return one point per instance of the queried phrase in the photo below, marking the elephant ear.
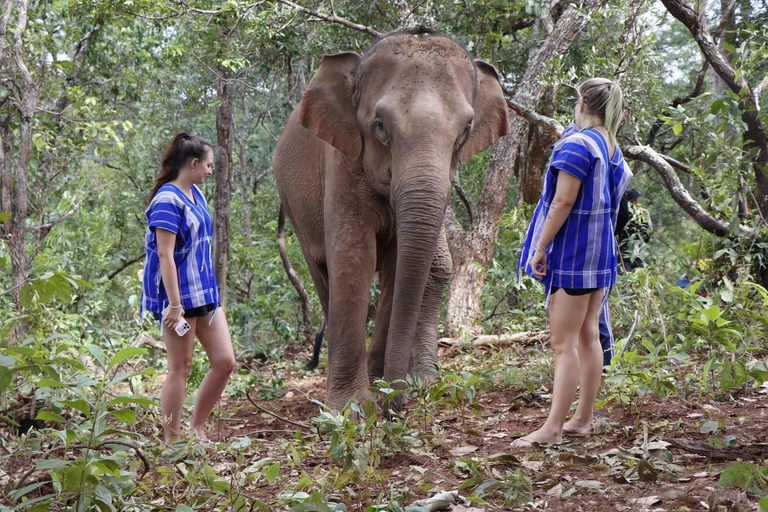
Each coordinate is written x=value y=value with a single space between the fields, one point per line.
x=327 y=106
x=491 y=115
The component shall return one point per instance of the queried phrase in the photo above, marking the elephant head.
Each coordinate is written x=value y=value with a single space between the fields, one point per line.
x=408 y=112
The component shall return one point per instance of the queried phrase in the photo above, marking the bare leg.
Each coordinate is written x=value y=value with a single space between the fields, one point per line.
x=591 y=361
x=179 y=350
x=217 y=343
x=566 y=318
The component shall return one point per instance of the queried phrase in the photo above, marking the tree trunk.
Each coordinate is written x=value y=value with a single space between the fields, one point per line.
x=473 y=251
x=6 y=186
x=223 y=179
x=244 y=195
x=31 y=89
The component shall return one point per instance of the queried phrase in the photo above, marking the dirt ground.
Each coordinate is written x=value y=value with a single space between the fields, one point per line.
x=648 y=454
x=601 y=473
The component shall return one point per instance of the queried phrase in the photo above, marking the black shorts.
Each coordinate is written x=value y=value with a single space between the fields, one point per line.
x=574 y=292
x=194 y=312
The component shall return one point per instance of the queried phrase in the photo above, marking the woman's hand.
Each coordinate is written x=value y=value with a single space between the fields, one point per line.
x=538 y=263
x=171 y=316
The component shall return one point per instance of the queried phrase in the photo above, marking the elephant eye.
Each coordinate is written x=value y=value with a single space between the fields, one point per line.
x=463 y=136
x=380 y=131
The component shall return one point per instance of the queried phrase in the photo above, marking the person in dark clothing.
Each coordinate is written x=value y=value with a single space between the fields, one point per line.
x=622 y=218
x=636 y=230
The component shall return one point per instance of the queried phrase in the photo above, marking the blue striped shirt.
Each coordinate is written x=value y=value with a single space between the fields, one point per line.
x=173 y=211
x=583 y=254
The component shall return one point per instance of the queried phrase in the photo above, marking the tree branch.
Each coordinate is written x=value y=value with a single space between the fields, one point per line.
x=678 y=191
x=20 y=27
x=759 y=88
x=44 y=229
x=7 y=8
x=292 y=277
x=333 y=19
x=534 y=117
x=125 y=265
x=754 y=136
x=664 y=166
x=464 y=199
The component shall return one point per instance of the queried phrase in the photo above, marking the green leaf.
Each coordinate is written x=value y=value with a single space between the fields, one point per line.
x=49 y=416
x=184 y=508
x=48 y=383
x=764 y=504
x=125 y=415
x=5 y=216
x=108 y=466
x=51 y=464
x=272 y=472
x=15 y=495
x=80 y=404
x=738 y=475
x=677 y=128
x=124 y=354
x=710 y=427
x=97 y=353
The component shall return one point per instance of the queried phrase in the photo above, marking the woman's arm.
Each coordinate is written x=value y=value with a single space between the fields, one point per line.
x=166 y=243
x=566 y=192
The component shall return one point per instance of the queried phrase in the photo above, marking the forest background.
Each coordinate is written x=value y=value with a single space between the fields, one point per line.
x=91 y=92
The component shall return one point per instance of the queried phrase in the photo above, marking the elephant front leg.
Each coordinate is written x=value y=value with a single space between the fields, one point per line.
x=424 y=349
x=378 y=348
x=351 y=265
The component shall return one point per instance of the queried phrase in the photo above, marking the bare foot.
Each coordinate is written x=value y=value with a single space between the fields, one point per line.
x=538 y=436
x=200 y=433
x=575 y=428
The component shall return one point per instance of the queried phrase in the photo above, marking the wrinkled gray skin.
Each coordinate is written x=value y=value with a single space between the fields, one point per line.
x=364 y=168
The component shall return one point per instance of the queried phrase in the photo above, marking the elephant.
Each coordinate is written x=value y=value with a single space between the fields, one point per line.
x=363 y=169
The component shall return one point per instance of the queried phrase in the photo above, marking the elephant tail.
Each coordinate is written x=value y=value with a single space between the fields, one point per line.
x=312 y=364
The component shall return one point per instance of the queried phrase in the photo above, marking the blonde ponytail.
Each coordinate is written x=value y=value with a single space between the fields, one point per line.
x=614 y=111
x=604 y=98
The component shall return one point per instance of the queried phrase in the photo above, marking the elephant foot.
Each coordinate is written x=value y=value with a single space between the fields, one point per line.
x=424 y=374
x=338 y=400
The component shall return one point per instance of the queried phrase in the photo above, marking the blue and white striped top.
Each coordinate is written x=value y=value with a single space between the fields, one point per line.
x=190 y=220
x=583 y=254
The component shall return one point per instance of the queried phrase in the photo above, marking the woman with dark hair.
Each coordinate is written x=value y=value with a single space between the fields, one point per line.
x=179 y=282
x=571 y=248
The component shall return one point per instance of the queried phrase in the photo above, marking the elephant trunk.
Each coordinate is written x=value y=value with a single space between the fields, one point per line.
x=419 y=199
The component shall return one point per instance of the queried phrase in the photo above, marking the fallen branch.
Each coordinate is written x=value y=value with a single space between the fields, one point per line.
x=508 y=339
x=267 y=411
x=704 y=449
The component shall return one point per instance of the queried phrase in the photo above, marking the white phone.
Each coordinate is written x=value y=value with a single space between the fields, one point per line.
x=182 y=327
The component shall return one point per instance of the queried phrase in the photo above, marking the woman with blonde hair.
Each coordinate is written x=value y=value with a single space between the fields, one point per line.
x=571 y=248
